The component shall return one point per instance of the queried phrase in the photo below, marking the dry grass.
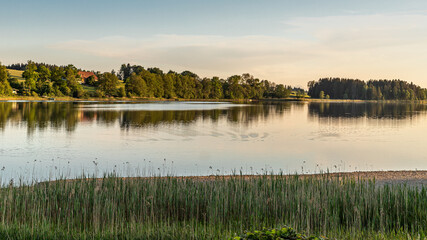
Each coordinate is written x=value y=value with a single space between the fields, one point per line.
x=16 y=74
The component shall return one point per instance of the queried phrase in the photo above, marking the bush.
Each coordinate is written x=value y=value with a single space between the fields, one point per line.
x=121 y=92
x=274 y=234
x=99 y=93
x=14 y=83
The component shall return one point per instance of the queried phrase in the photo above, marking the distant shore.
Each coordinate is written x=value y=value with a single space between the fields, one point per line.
x=318 y=100
x=113 y=99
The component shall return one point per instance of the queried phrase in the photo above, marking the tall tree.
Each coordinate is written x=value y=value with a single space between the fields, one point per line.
x=108 y=84
x=31 y=76
x=5 y=88
x=136 y=86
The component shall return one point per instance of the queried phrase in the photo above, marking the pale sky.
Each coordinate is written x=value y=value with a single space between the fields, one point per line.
x=289 y=42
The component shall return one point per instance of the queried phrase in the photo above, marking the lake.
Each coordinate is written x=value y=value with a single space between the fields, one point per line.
x=42 y=140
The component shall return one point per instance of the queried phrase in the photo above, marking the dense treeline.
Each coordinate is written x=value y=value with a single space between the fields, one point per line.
x=152 y=82
x=23 y=66
x=49 y=80
x=135 y=81
x=340 y=88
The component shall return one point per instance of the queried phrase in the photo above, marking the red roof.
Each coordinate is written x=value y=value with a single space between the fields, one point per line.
x=85 y=75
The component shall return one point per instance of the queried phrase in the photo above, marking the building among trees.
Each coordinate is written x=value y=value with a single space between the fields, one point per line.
x=86 y=75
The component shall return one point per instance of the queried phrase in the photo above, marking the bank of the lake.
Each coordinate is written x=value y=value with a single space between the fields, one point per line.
x=380 y=178
x=318 y=100
x=117 y=99
x=144 y=99
x=221 y=207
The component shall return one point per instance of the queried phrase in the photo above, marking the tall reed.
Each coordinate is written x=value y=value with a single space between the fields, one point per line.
x=208 y=208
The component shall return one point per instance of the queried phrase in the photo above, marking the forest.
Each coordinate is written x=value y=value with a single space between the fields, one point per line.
x=135 y=81
x=342 y=88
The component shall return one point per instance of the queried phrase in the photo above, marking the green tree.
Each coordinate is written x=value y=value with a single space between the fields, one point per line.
x=234 y=89
x=5 y=88
x=91 y=81
x=136 y=86
x=72 y=81
x=31 y=76
x=121 y=92
x=108 y=84
x=300 y=94
x=281 y=91
x=322 y=95
x=379 y=94
x=217 y=89
x=57 y=77
x=206 y=88
x=44 y=73
x=169 y=85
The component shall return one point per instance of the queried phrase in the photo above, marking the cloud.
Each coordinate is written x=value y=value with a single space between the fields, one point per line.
x=213 y=54
x=360 y=46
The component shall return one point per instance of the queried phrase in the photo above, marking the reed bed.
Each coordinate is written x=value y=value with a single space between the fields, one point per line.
x=215 y=208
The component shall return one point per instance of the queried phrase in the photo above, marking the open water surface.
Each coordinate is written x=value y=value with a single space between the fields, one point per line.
x=42 y=140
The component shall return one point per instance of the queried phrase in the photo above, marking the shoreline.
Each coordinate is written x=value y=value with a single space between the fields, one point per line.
x=70 y=99
x=126 y=99
x=401 y=175
x=416 y=178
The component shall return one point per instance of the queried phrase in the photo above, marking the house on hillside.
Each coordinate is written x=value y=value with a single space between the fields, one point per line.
x=85 y=75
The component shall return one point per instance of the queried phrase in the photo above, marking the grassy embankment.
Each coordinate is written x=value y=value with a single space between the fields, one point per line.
x=16 y=74
x=215 y=208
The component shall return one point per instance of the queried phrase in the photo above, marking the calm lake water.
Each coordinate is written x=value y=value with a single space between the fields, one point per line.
x=39 y=140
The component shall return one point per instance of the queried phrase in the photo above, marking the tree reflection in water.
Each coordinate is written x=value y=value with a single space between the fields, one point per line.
x=68 y=115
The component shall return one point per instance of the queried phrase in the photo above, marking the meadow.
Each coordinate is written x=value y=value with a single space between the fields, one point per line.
x=220 y=207
x=16 y=74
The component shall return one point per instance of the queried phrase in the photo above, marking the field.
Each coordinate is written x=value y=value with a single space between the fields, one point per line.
x=294 y=94
x=218 y=207
x=88 y=88
x=16 y=74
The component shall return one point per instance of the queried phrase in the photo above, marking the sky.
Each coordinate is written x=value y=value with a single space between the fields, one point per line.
x=288 y=42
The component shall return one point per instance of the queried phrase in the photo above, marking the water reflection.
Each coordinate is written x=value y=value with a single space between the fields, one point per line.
x=66 y=115
x=200 y=138
x=368 y=110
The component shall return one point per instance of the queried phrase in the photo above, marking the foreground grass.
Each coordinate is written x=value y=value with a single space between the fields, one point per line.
x=222 y=208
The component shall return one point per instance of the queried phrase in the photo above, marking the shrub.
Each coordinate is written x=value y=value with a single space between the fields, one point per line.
x=285 y=233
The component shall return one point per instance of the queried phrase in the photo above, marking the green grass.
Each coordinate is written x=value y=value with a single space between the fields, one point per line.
x=218 y=208
x=92 y=89
x=294 y=94
x=16 y=74
x=88 y=88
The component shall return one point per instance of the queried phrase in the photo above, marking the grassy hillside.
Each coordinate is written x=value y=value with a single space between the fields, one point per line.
x=88 y=88
x=16 y=74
